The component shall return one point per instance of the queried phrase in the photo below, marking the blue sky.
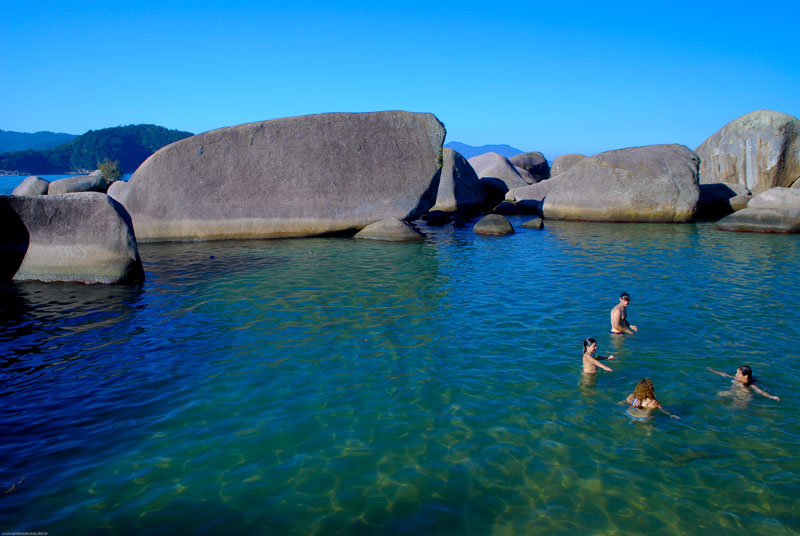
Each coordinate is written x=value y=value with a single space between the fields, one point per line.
x=559 y=77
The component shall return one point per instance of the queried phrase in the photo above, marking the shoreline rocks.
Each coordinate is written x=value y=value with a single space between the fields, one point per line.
x=298 y=176
x=775 y=211
x=759 y=150
x=82 y=237
x=654 y=183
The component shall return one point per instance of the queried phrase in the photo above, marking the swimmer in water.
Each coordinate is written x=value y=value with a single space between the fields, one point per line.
x=644 y=397
x=592 y=361
x=744 y=380
x=619 y=316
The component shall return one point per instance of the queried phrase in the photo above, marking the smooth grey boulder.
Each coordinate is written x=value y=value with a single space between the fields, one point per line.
x=535 y=223
x=564 y=162
x=94 y=182
x=32 y=185
x=296 y=176
x=534 y=163
x=775 y=211
x=392 y=230
x=82 y=237
x=459 y=186
x=493 y=225
x=720 y=199
x=654 y=183
x=759 y=150
x=500 y=167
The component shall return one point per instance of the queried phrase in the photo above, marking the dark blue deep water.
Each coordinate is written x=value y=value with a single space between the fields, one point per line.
x=338 y=386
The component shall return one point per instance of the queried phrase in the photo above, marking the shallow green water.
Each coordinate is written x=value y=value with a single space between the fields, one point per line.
x=339 y=386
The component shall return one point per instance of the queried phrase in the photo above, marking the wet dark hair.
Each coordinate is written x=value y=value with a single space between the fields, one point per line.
x=624 y=295
x=747 y=371
x=588 y=342
x=644 y=389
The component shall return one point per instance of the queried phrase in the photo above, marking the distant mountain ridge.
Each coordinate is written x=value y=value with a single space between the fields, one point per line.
x=468 y=151
x=130 y=145
x=44 y=139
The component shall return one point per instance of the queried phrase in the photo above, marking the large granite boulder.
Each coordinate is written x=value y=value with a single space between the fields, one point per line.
x=759 y=150
x=534 y=163
x=655 y=183
x=297 y=176
x=500 y=167
x=32 y=185
x=82 y=237
x=564 y=162
x=775 y=211
x=459 y=187
x=94 y=182
x=392 y=229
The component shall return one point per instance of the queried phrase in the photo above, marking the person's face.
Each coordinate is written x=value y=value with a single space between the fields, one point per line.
x=592 y=348
x=624 y=301
x=740 y=377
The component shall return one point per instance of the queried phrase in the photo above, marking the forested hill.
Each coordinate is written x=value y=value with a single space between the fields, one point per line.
x=130 y=145
x=19 y=141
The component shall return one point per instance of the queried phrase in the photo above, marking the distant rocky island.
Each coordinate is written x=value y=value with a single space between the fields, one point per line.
x=130 y=145
x=21 y=141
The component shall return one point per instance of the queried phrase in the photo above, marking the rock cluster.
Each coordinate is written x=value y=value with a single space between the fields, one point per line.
x=775 y=211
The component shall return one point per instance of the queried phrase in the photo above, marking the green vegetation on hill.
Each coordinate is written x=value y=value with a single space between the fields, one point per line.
x=130 y=145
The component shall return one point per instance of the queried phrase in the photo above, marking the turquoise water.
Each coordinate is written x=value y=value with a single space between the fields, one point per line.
x=337 y=386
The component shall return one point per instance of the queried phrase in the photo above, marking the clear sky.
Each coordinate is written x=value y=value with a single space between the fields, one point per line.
x=559 y=77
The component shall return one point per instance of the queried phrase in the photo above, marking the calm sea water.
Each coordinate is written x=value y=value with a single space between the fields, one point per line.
x=338 y=386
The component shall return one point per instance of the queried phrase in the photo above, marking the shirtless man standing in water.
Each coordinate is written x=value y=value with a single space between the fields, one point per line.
x=619 y=320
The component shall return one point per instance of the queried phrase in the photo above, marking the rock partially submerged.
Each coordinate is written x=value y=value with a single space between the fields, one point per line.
x=775 y=211
x=529 y=198
x=655 y=183
x=32 y=185
x=459 y=187
x=493 y=225
x=82 y=237
x=759 y=151
x=297 y=176
x=391 y=230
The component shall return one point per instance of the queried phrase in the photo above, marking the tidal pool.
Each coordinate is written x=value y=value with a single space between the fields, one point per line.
x=340 y=386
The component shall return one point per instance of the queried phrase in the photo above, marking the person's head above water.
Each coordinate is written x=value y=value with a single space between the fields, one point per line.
x=587 y=343
x=744 y=374
x=644 y=389
x=625 y=297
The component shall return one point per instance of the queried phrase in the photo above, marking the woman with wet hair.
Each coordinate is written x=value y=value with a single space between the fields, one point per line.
x=744 y=379
x=592 y=361
x=644 y=397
